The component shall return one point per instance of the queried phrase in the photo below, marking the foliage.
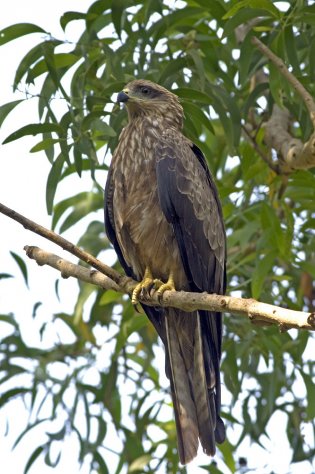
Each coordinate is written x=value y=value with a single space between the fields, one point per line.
x=203 y=51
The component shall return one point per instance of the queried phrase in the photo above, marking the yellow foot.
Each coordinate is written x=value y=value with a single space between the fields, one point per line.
x=145 y=284
x=162 y=287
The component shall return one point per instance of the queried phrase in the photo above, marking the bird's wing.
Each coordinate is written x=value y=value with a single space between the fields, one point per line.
x=190 y=202
x=110 y=222
x=154 y=314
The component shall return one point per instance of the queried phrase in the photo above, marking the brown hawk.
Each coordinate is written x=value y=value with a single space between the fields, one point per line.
x=164 y=219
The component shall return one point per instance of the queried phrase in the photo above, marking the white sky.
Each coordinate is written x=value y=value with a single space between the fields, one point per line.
x=22 y=187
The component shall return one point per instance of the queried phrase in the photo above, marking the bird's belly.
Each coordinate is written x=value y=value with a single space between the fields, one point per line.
x=147 y=239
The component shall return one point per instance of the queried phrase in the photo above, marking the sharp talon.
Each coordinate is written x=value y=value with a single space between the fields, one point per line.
x=147 y=284
x=168 y=286
x=157 y=283
x=142 y=287
x=149 y=288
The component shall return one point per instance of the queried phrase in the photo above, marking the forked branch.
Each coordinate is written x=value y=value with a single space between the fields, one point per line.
x=293 y=154
x=107 y=278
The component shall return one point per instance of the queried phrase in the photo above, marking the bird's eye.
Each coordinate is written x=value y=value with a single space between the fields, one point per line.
x=145 y=90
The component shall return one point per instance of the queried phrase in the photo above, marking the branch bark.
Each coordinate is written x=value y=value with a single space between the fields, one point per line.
x=293 y=154
x=256 y=311
x=295 y=83
x=121 y=280
x=109 y=279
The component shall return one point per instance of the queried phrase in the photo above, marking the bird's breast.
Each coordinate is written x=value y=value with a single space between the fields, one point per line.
x=144 y=235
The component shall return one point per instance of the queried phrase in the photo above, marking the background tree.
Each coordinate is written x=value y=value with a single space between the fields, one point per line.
x=256 y=128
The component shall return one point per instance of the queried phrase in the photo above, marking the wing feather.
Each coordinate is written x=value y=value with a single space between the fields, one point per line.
x=154 y=314
x=190 y=202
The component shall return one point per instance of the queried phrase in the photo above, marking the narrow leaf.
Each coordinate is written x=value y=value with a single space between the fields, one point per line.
x=33 y=129
x=33 y=458
x=16 y=31
x=22 y=266
x=52 y=182
x=7 y=108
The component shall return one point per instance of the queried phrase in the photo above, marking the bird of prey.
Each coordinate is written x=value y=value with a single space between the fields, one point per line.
x=164 y=219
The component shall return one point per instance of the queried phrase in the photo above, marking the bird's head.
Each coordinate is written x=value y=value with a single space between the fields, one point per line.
x=147 y=99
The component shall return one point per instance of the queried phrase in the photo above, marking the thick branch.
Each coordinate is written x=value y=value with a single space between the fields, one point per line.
x=293 y=154
x=256 y=311
x=69 y=269
x=295 y=83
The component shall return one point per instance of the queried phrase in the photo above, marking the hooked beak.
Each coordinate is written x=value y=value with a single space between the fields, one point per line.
x=123 y=96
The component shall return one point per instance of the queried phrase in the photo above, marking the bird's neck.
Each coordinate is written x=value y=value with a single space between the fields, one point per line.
x=159 y=120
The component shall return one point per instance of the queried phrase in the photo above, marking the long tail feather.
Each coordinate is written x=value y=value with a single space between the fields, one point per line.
x=184 y=407
x=193 y=399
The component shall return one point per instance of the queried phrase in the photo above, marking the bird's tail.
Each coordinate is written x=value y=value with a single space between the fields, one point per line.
x=193 y=396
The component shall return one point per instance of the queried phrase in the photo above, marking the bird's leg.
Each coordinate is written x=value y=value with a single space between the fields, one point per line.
x=145 y=284
x=162 y=287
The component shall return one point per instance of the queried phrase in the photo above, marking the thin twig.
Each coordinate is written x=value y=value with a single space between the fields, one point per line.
x=265 y=158
x=66 y=245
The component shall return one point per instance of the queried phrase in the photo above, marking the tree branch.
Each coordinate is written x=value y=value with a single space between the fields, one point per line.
x=121 y=280
x=293 y=154
x=256 y=311
x=295 y=83
x=107 y=278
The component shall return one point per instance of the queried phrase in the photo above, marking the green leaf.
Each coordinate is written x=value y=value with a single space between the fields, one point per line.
x=118 y=10
x=38 y=451
x=245 y=59
x=193 y=94
x=27 y=430
x=8 y=318
x=253 y=96
x=13 y=393
x=4 y=276
x=35 y=308
x=33 y=129
x=44 y=144
x=16 y=31
x=101 y=465
x=312 y=60
x=266 y=5
x=172 y=68
x=310 y=388
x=82 y=205
x=197 y=115
x=134 y=324
x=52 y=182
x=70 y=16
x=227 y=450
x=139 y=463
x=291 y=49
x=263 y=269
x=22 y=266
x=29 y=59
x=7 y=108
x=109 y=296
x=242 y=16
x=60 y=61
